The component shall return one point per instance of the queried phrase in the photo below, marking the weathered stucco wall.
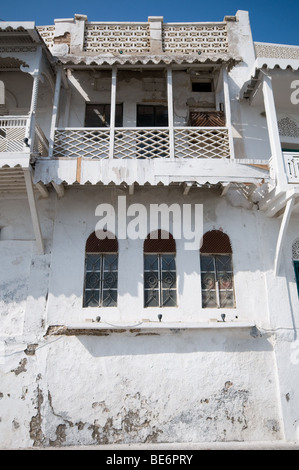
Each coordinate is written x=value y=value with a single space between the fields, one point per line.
x=138 y=385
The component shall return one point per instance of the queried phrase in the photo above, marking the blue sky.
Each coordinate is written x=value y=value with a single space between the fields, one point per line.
x=271 y=21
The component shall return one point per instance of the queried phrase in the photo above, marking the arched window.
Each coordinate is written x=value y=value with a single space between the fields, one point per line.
x=159 y=270
x=101 y=265
x=295 y=256
x=216 y=271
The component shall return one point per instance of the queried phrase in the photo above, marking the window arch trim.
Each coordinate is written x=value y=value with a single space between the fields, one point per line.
x=216 y=242
x=107 y=244
x=159 y=241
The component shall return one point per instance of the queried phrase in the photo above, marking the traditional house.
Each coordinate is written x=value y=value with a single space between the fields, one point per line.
x=149 y=234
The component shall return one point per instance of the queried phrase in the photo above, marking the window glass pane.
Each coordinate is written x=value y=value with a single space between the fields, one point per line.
x=159 y=280
x=152 y=116
x=100 y=280
x=110 y=262
x=118 y=115
x=168 y=298
x=207 y=263
x=209 y=299
x=168 y=262
x=226 y=299
x=151 y=280
x=109 y=298
x=145 y=116
x=202 y=86
x=208 y=280
x=92 y=280
x=93 y=262
x=151 y=298
x=161 y=116
x=217 y=281
x=110 y=280
x=225 y=281
x=98 y=115
x=223 y=262
x=151 y=262
x=168 y=280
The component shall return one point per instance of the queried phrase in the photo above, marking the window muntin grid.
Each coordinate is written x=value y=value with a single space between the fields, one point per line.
x=217 y=281
x=101 y=278
x=160 y=280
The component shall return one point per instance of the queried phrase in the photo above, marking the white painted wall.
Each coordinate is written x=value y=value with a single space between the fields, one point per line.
x=160 y=385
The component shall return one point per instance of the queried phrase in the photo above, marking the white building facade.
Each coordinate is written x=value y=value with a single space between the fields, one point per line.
x=111 y=133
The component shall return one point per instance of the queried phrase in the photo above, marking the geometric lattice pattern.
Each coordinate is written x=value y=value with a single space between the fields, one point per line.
x=291 y=161
x=12 y=133
x=288 y=127
x=132 y=38
x=141 y=143
x=186 y=39
x=201 y=142
x=47 y=33
x=125 y=37
x=276 y=51
x=12 y=140
x=82 y=142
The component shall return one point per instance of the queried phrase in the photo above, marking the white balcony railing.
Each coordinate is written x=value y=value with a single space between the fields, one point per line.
x=145 y=143
x=291 y=162
x=12 y=134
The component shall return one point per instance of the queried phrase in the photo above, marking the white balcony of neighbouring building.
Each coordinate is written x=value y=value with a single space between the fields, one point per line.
x=291 y=163
x=14 y=131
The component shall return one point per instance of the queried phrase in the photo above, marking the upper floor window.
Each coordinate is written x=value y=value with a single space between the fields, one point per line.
x=98 y=115
x=216 y=271
x=152 y=116
x=159 y=270
x=295 y=256
x=101 y=269
x=202 y=86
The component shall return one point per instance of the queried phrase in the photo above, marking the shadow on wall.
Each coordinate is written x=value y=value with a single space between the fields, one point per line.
x=175 y=341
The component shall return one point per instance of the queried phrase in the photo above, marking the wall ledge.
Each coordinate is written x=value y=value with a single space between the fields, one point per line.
x=144 y=328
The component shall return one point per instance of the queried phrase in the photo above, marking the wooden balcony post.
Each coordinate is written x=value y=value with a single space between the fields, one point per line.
x=55 y=111
x=273 y=131
x=228 y=113
x=170 y=111
x=112 y=111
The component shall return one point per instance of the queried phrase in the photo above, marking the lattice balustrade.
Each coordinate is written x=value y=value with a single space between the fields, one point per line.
x=204 y=142
x=78 y=142
x=110 y=37
x=12 y=133
x=291 y=160
x=141 y=143
x=191 y=38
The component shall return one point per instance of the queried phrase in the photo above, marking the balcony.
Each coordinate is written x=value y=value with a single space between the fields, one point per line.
x=17 y=151
x=14 y=142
